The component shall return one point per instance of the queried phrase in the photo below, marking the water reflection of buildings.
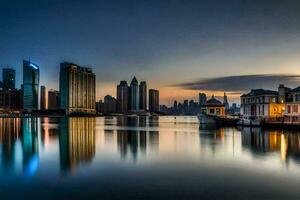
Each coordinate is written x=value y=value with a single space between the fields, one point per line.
x=50 y=131
x=12 y=131
x=264 y=141
x=132 y=140
x=76 y=142
x=30 y=145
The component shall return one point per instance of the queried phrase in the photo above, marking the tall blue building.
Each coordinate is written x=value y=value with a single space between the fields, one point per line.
x=134 y=95
x=31 y=79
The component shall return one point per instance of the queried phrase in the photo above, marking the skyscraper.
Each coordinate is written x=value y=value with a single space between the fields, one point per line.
x=110 y=104
x=122 y=97
x=202 y=99
x=77 y=86
x=44 y=98
x=134 y=95
x=143 y=95
x=53 y=99
x=31 y=78
x=9 y=78
x=225 y=101
x=153 y=100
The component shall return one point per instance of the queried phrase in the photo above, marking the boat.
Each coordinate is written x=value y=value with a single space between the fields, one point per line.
x=225 y=120
x=249 y=121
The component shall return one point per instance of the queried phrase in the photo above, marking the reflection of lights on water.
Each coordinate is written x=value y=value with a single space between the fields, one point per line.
x=283 y=147
x=32 y=166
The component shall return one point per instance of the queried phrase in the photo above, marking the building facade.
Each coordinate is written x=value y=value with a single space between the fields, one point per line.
x=110 y=105
x=213 y=107
x=122 y=97
x=77 y=86
x=292 y=104
x=153 y=100
x=202 y=99
x=30 y=87
x=134 y=96
x=53 y=100
x=262 y=103
x=44 y=98
x=11 y=100
x=9 y=78
x=143 y=95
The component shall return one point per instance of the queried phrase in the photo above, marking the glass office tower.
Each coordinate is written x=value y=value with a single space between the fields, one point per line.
x=8 y=78
x=31 y=78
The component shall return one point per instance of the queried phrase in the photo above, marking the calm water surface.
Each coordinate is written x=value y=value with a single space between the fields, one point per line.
x=145 y=158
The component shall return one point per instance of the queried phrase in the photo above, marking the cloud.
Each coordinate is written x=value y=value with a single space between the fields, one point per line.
x=242 y=83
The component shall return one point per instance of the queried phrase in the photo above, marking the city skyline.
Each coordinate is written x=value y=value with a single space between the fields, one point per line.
x=170 y=43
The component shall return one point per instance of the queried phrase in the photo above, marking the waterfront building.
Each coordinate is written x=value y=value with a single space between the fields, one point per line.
x=134 y=96
x=53 y=99
x=11 y=100
x=44 y=98
x=122 y=97
x=202 y=99
x=30 y=87
x=143 y=95
x=153 y=100
x=9 y=78
x=261 y=103
x=213 y=107
x=110 y=104
x=77 y=86
x=292 y=103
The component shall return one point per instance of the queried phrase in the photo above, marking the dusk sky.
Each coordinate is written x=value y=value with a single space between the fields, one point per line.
x=178 y=47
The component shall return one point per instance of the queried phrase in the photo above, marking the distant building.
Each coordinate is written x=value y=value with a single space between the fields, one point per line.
x=77 y=86
x=134 y=96
x=44 y=98
x=225 y=101
x=213 y=107
x=9 y=78
x=143 y=95
x=153 y=100
x=202 y=99
x=11 y=100
x=110 y=104
x=193 y=108
x=122 y=97
x=53 y=100
x=185 y=106
x=100 y=107
x=31 y=78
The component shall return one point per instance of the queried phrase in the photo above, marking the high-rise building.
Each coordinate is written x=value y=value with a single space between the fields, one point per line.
x=77 y=86
x=143 y=95
x=31 y=78
x=122 y=97
x=100 y=106
x=9 y=78
x=153 y=100
x=225 y=101
x=110 y=104
x=202 y=99
x=44 y=98
x=134 y=95
x=53 y=100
